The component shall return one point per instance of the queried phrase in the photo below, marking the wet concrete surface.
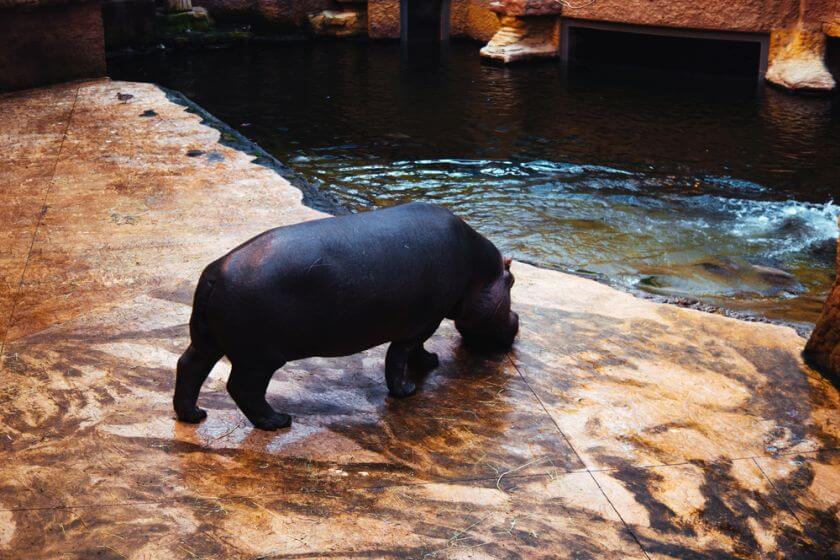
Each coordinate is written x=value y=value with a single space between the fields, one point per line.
x=615 y=428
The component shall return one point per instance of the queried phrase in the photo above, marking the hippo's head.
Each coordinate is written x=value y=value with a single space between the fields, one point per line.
x=486 y=320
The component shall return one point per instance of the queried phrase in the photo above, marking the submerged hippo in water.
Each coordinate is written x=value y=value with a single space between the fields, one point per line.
x=338 y=286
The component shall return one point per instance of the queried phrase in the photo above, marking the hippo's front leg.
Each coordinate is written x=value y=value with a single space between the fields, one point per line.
x=403 y=356
x=396 y=369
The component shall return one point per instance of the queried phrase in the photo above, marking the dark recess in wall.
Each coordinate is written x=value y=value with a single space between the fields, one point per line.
x=706 y=56
x=424 y=20
x=832 y=57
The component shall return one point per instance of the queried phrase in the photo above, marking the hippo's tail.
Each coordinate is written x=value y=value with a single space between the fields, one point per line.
x=202 y=338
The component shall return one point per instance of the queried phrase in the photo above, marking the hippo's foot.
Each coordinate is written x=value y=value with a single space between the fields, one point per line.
x=192 y=415
x=401 y=389
x=247 y=387
x=193 y=368
x=275 y=421
x=396 y=368
x=423 y=360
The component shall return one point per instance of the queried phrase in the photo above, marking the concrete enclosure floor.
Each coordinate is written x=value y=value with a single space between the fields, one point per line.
x=615 y=428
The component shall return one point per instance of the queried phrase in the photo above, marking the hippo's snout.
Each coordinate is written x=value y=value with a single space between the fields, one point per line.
x=496 y=337
x=510 y=332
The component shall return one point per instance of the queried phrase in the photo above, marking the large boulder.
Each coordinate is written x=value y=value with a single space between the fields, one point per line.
x=823 y=349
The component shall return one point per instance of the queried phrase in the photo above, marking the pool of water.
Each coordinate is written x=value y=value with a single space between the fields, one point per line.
x=668 y=183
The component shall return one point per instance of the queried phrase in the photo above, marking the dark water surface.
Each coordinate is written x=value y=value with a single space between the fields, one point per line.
x=670 y=183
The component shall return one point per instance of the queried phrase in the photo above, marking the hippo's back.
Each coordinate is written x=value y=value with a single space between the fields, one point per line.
x=339 y=285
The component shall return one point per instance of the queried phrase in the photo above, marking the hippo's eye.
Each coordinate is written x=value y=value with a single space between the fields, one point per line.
x=509 y=279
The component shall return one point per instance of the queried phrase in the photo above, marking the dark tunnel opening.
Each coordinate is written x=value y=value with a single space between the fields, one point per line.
x=719 y=56
x=424 y=20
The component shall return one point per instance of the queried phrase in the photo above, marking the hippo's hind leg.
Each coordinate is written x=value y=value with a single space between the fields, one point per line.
x=193 y=368
x=247 y=386
x=405 y=356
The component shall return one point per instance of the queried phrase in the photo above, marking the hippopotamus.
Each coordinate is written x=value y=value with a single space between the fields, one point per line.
x=337 y=286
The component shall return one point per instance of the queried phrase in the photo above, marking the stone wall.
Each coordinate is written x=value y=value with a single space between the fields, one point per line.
x=753 y=16
x=384 y=19
x=468 y=18
x=720 y=15
x=797 y=28
x=474 y=19
x=43 y=43
x=270 y=14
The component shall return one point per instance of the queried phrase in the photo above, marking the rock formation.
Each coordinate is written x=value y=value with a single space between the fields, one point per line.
x=797 y=60
x=348 y=22
x=522 y=38
x=823 y=349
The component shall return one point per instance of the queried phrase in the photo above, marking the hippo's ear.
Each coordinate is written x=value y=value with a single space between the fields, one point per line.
x=507 y=263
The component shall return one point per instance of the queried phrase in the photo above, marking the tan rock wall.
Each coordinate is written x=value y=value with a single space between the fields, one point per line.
x=458 y=16
x=831 y=25
x=49 y=44
x=724 y=15
x=528 y=7
x=823 y=348
x=384 y=19
x=757 y=16
x=480 y=22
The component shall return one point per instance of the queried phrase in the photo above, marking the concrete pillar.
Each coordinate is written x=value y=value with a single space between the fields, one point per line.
x=529 y=29
x=797 y=60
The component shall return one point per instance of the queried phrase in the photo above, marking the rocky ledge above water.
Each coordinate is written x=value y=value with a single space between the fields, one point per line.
x=823 y=348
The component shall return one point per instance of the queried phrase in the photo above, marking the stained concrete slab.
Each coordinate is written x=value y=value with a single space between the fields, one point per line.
x=615 y=428
x=32 y=138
